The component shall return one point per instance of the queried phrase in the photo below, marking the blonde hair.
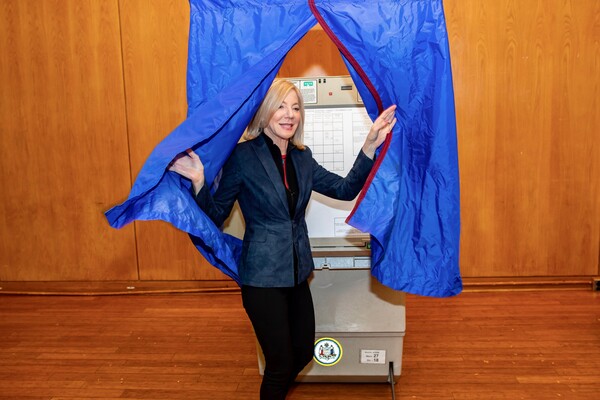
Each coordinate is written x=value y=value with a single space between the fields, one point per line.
x=273 y=99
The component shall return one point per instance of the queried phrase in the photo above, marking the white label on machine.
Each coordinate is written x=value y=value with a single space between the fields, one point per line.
x=372 y=356
x=309 y=91
x=341 y=228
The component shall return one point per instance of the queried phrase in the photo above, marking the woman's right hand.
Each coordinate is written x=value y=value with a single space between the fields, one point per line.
x=188 y=165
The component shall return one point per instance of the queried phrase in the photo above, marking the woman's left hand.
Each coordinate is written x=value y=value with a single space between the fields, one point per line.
x=379 y=131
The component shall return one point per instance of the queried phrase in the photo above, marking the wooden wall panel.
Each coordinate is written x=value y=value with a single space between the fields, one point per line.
x=155 y=35
x=72 y=72
x=314 y=55
x=527 y=83
x=63 y=148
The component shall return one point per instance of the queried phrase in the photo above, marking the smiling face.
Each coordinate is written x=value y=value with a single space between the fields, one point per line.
x=280 y=116
x=285 y=120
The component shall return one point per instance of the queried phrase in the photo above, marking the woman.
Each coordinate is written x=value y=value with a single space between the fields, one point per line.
x=272 y=175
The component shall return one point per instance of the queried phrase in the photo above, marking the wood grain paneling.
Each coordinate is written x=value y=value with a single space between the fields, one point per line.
x=63 y=152
x=88 y=88
x=314 y=55
x=155 y=35
x=527 y=83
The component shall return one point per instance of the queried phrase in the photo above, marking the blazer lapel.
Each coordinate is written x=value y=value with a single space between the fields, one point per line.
x=266 y=159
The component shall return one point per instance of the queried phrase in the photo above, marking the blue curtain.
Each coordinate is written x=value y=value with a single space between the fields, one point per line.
x=397 y=53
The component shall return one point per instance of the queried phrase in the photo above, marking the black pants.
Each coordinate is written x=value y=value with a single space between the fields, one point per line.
x=284 y=323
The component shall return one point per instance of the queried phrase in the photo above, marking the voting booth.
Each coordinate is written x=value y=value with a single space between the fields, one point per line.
x=360 y=323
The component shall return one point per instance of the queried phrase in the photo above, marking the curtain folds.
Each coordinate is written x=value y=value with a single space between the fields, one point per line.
x=397 y=53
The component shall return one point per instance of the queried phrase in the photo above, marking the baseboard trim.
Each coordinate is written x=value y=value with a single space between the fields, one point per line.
x=528 y=283
x=105 y=288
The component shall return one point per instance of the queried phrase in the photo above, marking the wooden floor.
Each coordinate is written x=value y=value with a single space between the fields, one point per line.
x=479 y=345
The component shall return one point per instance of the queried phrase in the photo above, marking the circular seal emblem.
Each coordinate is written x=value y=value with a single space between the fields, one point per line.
x=327 y=352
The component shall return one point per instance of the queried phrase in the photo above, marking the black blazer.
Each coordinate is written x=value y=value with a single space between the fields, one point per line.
x=251 y=176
